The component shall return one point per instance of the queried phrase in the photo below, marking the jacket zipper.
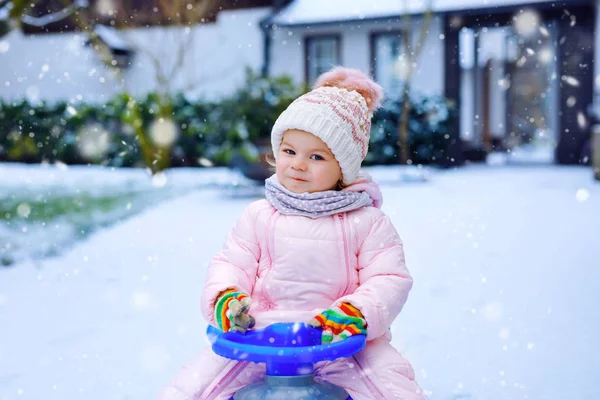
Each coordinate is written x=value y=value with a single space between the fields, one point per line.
x=270 y=241
x=229 y=376
x=346 y=262
x=374 y=387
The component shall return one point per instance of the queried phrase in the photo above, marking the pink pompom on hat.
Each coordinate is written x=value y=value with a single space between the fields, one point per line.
x=338 y=111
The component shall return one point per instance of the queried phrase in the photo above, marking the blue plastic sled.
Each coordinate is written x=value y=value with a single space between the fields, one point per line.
x=290 y=351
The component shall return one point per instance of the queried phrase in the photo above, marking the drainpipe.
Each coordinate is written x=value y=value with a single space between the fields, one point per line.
x=596 y=151
x=266 y=27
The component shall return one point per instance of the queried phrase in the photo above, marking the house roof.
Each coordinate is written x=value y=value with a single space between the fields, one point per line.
x=310 y=12
x=54 y=16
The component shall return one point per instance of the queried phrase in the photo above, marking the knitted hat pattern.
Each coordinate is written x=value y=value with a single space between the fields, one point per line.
x=338 y=111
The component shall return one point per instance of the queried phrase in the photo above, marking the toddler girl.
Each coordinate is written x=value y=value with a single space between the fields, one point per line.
x=318 y=249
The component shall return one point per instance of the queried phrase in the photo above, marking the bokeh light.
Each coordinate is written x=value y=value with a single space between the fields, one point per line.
x=163 y=132
x=526 y=23
x=93 y=141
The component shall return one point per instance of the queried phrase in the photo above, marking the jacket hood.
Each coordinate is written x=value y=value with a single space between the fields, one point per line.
x=365 y=183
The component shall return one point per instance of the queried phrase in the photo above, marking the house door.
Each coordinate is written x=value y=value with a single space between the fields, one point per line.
x=531 y=96
x=509 y=93
x=543 y=73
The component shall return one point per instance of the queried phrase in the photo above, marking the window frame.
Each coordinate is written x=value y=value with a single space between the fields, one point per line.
x=307 y=41
x=373 y=36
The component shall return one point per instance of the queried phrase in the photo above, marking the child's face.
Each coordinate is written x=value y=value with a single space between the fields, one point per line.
x=305 y=163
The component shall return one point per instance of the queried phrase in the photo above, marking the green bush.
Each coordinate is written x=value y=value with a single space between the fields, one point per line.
x=244 y=120
x=30 y=133
x=430 y=122
x=122 y=147
x=214 y=132
x=209 y=133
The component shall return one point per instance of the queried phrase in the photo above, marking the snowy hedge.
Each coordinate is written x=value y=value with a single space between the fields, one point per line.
x=195 y=132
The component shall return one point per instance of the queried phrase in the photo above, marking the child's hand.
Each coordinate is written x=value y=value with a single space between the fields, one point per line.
x=340 y=323
x=231 y=312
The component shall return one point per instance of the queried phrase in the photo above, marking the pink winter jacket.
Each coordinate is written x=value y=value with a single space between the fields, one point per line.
x=294 y=267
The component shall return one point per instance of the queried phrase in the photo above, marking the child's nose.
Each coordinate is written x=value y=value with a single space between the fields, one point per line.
x=299 y=164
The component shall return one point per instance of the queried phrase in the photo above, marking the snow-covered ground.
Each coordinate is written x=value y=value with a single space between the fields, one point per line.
x=46 y=208
x=505 y=261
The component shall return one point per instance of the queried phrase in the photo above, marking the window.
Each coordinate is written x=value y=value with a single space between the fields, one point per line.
x=388 y=61
x=321 y=53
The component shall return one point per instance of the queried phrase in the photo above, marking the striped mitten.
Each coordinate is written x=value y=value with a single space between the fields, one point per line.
x=340 y=323
x=231 y=312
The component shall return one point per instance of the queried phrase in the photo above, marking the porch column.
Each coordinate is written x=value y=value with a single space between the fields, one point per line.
x=575 y=60
x=452 y=77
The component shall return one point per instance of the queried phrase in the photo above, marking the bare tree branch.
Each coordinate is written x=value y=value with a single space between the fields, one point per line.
x=222 y=73
x=413 y=56
x=182 y=13
x=424 y=30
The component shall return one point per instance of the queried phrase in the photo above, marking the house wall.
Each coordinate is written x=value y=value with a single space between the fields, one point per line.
x=287 y=50
x=58 y=67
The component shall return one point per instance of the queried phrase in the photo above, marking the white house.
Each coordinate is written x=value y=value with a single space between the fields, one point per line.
x=520 y=71
x=59 y=66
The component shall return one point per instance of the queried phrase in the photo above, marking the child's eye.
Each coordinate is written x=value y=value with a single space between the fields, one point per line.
x=289 y=151
x=316 y=157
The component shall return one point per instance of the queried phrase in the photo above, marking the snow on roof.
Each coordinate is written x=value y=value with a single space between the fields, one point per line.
x=111 y=37
x=301 y=12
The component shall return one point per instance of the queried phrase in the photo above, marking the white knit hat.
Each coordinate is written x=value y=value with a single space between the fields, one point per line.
x=338 y=111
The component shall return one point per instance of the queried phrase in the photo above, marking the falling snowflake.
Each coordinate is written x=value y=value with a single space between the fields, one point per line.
x=32 y=93
x=582 y=195
x=402 y=68
x=61 y=165
x=23 y=210
x=581 y=120
x=163 y=132
x=504 y=83
x=504 y=333
x=545 y=55
x=569 y=80
x=526 y=23
x=159 y=180
x=493 y=311
x=105 y=7
x=45 y=68
x=93 y=141
x=71 y=110
x=205 y=162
